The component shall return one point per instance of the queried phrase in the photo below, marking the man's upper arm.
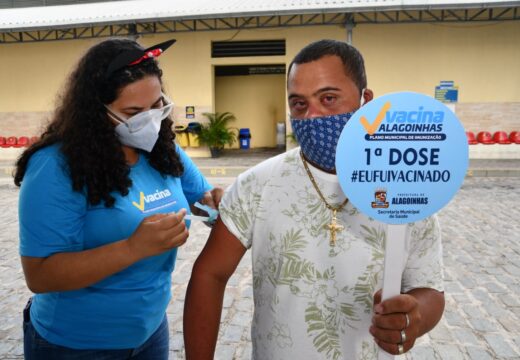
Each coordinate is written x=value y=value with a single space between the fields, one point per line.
x=233 y=232
x=221 y=254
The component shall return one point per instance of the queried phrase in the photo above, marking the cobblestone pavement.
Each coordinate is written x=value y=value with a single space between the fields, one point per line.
x=480 y=226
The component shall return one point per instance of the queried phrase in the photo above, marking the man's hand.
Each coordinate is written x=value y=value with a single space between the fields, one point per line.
x=400 y=320
x=393 y=320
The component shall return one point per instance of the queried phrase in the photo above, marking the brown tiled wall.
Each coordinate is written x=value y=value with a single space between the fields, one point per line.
x=474 y=116
x=32 y=123
x=22 y=123
x=489 y=116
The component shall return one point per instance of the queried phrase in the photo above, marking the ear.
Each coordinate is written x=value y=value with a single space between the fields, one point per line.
x=368 y=95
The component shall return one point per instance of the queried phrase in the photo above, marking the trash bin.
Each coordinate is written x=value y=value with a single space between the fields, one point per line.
x=193 y=130
x=244 y=137
x=181 y=135
x=280 y=135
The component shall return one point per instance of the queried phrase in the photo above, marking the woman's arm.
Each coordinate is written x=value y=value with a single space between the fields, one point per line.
x=76 y=270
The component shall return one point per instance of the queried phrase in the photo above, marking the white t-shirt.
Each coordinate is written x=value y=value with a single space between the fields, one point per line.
x=312 y=300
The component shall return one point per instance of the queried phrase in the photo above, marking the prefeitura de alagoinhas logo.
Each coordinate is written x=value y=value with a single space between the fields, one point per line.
x=380 y=199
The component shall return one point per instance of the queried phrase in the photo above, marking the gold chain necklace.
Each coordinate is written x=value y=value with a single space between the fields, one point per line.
x=333 y=227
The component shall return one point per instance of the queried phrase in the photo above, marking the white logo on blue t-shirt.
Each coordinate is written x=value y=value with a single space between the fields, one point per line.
x=154 y=201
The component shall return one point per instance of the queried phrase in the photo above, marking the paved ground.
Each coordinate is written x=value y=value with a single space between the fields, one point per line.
x=481 y=227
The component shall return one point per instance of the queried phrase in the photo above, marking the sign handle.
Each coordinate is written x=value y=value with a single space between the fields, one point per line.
x=394 y=258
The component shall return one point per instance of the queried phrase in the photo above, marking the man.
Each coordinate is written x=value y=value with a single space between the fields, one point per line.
x=317 y=261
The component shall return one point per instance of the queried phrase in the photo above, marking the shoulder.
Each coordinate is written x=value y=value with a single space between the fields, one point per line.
x=429 y=225
x=46 y=188
x=47 y=171
x=48 y=159
x=252 y=187
x=272 y=167
x=190 y=169
x=51 y=151
x=182 y=154
x=425 y=234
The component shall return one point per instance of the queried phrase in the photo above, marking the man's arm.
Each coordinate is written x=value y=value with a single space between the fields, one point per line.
x=203 y=305
x=424 y=308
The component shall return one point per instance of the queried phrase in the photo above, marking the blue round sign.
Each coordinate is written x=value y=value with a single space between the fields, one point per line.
x=402 y=157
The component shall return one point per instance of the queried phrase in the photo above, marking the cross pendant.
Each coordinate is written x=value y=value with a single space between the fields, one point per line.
x=334 y=227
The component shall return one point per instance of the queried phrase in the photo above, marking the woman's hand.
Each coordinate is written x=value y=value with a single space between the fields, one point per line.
x=158 y=233
x=210 y=198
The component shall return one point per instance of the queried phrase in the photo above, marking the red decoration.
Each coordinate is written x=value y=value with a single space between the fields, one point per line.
x=149 y=54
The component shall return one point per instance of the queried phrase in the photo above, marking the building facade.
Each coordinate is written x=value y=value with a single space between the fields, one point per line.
x=221 y=66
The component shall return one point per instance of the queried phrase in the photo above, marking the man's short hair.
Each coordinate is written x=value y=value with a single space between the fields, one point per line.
x=350 y=57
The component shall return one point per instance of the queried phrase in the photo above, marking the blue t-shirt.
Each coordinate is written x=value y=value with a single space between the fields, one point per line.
x=123 y=310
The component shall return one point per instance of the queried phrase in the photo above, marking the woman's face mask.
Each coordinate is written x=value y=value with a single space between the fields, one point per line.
x=141 y=131
x=318 y=137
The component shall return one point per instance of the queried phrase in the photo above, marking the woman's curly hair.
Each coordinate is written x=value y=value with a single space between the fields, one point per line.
x=95 y=159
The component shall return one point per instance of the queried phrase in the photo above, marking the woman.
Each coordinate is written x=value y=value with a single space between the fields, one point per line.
x=102 y=204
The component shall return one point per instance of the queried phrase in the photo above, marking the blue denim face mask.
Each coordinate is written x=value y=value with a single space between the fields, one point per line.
x=318 y=137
